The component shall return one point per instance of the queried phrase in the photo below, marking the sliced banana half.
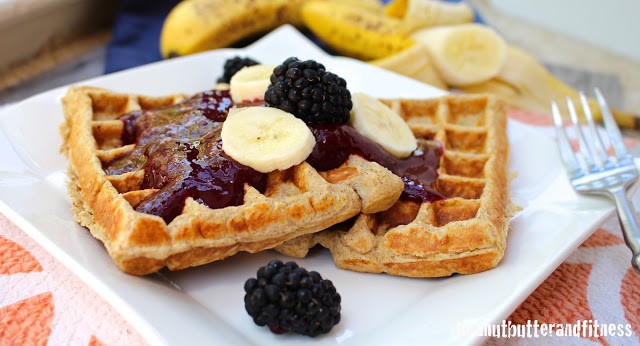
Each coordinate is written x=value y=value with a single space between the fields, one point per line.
x=374 y=120
x=250 y=83
x=266 y=139
x=464 y=54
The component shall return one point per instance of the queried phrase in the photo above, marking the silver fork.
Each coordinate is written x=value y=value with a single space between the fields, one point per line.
x=592 y=171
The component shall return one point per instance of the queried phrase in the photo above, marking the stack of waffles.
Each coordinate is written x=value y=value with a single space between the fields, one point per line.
x=354 y=210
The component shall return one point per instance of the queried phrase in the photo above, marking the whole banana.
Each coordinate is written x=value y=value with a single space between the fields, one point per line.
x=198 y=25
x=354 y=32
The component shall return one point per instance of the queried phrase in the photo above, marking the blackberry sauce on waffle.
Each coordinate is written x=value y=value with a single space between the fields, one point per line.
x=180 y=151
x=334 y=144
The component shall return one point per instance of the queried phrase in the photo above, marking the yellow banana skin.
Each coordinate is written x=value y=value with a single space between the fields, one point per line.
x=368 y=5
x=350 y=31
x=396 y=8
x=525 y=83
x=197 y=25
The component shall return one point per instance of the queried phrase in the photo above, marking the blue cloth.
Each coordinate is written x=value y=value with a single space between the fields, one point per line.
x=136 y=33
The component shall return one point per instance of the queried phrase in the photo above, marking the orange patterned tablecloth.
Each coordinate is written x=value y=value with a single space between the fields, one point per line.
x=42 y=302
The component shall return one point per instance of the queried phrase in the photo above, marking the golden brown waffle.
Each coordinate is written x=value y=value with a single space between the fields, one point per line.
x=464 y=233
x=296 y=202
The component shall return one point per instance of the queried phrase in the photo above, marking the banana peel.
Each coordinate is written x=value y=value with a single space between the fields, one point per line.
x=525 y=83
x=420 y=14
x=367 y=5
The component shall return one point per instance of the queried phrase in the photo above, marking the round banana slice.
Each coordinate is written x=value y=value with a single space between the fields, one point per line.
x=464 y=54
x=266 y=139
x=374 y=120
x=250 y=83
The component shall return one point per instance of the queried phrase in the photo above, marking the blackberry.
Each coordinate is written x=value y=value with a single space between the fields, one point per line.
x=288 y=298
x=308 y=91
x=233 y=65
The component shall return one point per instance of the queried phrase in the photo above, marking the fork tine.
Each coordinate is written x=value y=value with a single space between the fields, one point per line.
x=584 y=151
x=612 y=128
x=598 y=149
x=566 y=152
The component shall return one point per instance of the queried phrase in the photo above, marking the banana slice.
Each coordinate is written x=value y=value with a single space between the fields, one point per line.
x=266 y=139
x=464 y=54
x=250 y=83
x=374 y=120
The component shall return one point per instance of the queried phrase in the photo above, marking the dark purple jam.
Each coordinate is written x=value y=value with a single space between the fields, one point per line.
x=334 y=144
x=180 y=150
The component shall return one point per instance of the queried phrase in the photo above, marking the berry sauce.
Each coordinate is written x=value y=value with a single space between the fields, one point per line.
x=334 y=144
x=180 y=150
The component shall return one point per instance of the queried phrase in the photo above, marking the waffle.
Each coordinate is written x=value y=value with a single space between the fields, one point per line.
x=464 y=233
x=294 y=202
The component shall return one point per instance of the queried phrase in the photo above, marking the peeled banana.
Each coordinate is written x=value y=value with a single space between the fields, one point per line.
x=198 y=25
x=350 y=31
x=265 y=138
x=374 y=120
x=419 y=14
x=464 y=54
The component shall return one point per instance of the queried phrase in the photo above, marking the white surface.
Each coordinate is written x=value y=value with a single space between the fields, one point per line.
x=376 y=309
x=612 y=25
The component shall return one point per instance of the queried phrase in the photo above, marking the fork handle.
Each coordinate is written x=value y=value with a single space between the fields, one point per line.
x=630 y=225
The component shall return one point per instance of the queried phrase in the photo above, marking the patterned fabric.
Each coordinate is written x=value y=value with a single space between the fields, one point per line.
x=42 y=302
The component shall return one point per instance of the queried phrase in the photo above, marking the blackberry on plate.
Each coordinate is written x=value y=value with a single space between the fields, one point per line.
x=308 y=91
x=233 y=65
x=288 y=298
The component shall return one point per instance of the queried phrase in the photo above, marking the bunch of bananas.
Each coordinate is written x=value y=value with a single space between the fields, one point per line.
x=433 y=41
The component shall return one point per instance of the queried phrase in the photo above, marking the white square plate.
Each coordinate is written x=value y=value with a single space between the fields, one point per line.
x=207 y=306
